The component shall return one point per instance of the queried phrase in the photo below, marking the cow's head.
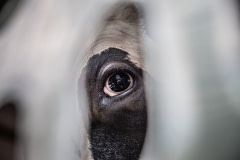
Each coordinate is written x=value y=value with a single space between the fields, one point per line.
x=113 y=78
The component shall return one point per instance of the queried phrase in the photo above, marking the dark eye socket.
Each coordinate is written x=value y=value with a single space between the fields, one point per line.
x=118 y=83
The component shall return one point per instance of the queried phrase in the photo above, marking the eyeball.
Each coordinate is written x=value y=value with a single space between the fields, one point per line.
x=118 y=83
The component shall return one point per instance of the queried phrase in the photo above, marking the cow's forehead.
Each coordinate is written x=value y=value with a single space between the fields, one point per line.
x=121 y=33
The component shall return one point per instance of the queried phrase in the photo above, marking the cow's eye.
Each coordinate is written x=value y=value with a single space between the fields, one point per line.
x=118 y=83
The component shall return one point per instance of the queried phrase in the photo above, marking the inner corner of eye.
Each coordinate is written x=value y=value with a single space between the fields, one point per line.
x=106 y=91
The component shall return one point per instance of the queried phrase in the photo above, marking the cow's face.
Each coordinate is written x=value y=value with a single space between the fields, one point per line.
x=114 y=83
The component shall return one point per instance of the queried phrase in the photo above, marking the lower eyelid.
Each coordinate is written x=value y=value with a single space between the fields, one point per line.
x=105 y=90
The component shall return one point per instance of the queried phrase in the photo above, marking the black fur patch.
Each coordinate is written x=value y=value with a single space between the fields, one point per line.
x=118 y=124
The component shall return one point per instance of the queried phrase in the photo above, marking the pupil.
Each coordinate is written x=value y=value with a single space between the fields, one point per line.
x=119 y=81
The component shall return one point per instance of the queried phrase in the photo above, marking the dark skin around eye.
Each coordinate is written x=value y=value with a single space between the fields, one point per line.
x=118 y=123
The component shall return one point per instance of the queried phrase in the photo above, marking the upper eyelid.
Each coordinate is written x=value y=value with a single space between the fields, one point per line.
x=110 y=66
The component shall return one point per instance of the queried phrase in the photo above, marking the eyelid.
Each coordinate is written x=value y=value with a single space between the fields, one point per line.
x=109 y=68
x=112 y=65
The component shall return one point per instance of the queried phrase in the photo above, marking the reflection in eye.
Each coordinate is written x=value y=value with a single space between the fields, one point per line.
x=118 y=83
